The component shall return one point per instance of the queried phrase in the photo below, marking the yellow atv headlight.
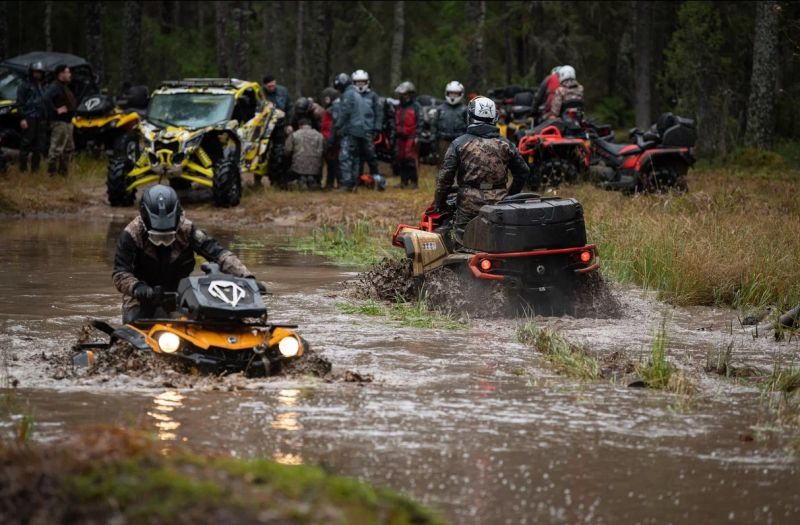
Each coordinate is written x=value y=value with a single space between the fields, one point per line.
x=169 y=343
x=289 y=346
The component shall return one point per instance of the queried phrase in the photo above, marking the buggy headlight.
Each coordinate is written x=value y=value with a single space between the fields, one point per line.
x=289 y=346
x=169 y=342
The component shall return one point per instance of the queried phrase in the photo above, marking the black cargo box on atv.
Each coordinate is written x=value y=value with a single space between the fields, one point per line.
x=527 y=222
x=218 y=296
x=676 y=131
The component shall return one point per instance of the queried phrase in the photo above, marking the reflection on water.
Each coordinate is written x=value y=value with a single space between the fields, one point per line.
x=289 y=422
x=165 y=404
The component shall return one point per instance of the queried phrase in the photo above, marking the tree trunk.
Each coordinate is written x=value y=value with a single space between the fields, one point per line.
x=132 y=46
x=221 y=38
x=4 y=43
x=48 y=26
x=298 y=48
x=320 y=30
x=476 y=18
x=166 y=66
x=275 y=30
x=399 y=26
x=508 y=22
x=643 y=59
x=241 y=16
x=94 y=38
x=761 y=106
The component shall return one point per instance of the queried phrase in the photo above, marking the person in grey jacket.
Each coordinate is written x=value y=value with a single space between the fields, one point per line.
x=450 y=121
x=361 y=82
x=352 y=122
x=278 y=95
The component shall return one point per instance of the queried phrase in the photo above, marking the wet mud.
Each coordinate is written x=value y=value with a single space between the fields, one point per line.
x=455 y=292
x=471 y=422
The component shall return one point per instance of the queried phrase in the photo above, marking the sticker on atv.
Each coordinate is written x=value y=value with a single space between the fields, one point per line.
x=226 y=291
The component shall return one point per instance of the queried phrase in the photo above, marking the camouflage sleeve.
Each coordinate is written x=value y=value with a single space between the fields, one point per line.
x=289 y=147
x=447 y=176
x=345 y=109
x=519 y=171
x=122 y=275
x=212 y=251
x=555 y=106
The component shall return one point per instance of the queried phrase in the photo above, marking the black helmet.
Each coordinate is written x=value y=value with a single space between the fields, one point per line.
x=341 y=81
x=302 y=105
x=36 y=66
x=161 y=212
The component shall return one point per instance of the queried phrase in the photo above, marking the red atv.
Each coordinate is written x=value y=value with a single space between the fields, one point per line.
x=532 y=245
x=657 y=161
x=557 y=151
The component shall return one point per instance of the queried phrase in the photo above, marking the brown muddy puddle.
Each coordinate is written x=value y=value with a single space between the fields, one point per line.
x=469 y=422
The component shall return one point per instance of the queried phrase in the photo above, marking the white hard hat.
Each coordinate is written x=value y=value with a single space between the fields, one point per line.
x=566 y=73
x=453 y=87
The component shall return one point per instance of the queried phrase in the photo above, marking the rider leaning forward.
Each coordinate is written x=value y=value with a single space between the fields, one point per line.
x=157 y=249
x=478 y=162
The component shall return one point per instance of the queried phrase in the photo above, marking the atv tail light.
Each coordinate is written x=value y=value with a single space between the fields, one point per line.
x=289 y=346
x=169 y=342
x=586 y=257
x=486 y=265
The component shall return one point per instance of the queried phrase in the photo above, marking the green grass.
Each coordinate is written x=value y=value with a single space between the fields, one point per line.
x=783 y=379
x=568 y=358
x=729 y=241
x=406 y=313
x=657 y=371
x=359 y=244
x=117 y=475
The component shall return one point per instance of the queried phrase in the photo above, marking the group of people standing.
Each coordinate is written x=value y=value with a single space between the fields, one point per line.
x=46 y=110
x=341 y=132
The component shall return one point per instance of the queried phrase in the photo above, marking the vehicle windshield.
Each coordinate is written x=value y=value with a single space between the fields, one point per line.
x=189 y=110
x=9 y=82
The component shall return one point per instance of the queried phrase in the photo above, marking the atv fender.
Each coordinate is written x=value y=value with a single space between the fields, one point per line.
x=425 y=249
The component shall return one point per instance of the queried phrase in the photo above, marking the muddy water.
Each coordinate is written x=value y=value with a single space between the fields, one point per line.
x=470 y=422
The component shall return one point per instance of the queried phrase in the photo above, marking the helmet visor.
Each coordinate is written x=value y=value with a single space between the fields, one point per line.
x=161 y=238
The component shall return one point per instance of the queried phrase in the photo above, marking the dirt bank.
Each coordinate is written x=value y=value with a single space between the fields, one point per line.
x=112 y=475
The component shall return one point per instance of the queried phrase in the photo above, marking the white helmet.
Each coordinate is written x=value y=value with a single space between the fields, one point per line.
x=359 y=75
x=482 y=109
x=566 y=73
x=453 y=87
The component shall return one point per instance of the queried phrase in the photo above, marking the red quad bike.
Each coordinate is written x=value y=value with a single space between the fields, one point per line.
x=535 y=246
x=657 y=161
x=555 y=154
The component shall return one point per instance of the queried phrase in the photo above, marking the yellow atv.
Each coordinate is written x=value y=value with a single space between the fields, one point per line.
x=218 y=325
x=203 y=131
x=104 y=124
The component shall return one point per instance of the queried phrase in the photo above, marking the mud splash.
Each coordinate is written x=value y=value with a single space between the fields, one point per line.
x=457 y=293
x=123 y=362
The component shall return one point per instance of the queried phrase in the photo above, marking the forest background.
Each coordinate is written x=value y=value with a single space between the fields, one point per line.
x=733 y=66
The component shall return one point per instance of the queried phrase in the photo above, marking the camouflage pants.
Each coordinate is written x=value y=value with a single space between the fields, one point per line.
x=351 y=151
x=61 y=147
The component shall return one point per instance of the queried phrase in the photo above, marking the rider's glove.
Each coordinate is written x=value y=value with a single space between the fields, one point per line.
x=146 y=294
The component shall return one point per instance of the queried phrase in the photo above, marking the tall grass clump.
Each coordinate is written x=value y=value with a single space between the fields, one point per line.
x=568 y=358
x=732 y=240
x=657 y=372
x=358 y=244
